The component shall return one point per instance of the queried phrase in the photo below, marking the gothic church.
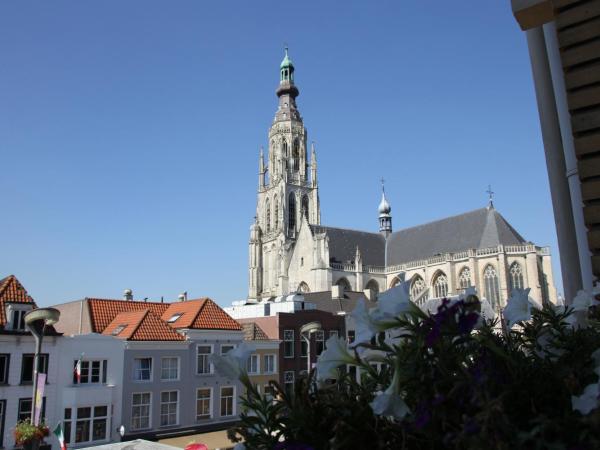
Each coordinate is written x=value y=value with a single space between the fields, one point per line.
x=290 y=251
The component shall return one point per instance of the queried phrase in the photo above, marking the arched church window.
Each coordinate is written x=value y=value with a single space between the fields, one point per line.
x=417 y=286
x=516 y=276
x=275 y=214
x=284 y=149
x=492 y=289
x=373 y=286
x=303 y=288
x=344 y=283
x=464 y=278
x=296 y=156
x=292 y=212
x=305 y=206
x=268 y=215
x=440 y=285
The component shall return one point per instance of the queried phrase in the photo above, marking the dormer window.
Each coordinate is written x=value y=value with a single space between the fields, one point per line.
x=174 y=317
x=15 y=312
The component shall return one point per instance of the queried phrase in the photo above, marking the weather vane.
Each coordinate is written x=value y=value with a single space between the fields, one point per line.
x=382 y=184
x=490 y=195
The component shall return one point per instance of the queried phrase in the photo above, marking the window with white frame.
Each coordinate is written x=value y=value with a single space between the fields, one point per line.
x=27 y=363
x=18 y=320
x=288 y=343
x=288 y=381
x=2 y=419
x=141 y=405
x=253 y=364
x=91 y=371
x=169 y=368
x=203 y=403
x=142 y=369
x=269 y=364
x=226 y=347
x=90 y=423
x=169 y=408
x=227 y=395
x=319 y=341
x=24 y=412
x=203 y=365
x=4 y=364
x=67 y=424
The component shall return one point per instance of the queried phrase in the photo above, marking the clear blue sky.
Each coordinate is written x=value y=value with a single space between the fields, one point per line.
x=129 y=131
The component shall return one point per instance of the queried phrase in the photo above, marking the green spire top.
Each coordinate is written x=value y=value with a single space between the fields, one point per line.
x=287 y=62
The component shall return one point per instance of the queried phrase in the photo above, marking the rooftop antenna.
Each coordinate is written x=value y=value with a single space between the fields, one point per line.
x=490 y=196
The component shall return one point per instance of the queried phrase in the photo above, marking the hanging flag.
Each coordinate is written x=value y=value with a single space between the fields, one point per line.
x=39 y=398
x=77 y=369
x=58 y=432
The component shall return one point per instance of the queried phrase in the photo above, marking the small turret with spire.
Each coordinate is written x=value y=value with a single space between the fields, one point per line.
x=385 y=218
x=287 y=91
x=313 y=164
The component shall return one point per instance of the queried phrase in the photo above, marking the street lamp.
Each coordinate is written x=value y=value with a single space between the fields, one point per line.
x=305 y=331
x=36 y=321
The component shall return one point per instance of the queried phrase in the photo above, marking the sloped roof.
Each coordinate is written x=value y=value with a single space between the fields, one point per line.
x=343 y=243
x=252 y=332
x=141 y=325
x=200 y=314
x=480 y=228
x=324 y=302
x=11 y=290
x=103 y=311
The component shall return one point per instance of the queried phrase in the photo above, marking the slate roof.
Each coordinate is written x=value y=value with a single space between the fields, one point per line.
x=252 y=332
x=12 y=291
x=480 y=228
x=200 y=314
x=343 y=242
x=324 y=302
x=103 y=311
x=141 y=325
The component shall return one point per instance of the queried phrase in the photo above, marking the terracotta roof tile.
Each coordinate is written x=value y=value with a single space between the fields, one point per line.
x=200 y=314
x=103 y=311
x=252 y=332
x=141 y=325
x=11 y=290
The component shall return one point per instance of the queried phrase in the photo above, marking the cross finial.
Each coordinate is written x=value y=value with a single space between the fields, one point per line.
x=383 y=184
x=490 y=196
x=285 y=46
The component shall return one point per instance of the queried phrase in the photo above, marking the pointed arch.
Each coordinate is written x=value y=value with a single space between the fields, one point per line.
x=296 y=155
x=305 y=206
x=343 y=282
x=373 y=285
x=464 y=278
x=492 y=289
x=516 y=276
x=303 y=287
x=440 y=284
x=292 y=211
x=268 y=215
x=417 y=285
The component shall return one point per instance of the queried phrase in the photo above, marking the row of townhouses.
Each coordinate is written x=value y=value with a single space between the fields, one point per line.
x=145 y=369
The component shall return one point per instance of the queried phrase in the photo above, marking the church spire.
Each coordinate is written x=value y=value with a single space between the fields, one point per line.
x=313 y=164
x=385 y=218
x=287 y=91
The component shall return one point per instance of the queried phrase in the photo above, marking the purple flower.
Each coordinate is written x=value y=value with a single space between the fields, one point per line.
x=466 y=322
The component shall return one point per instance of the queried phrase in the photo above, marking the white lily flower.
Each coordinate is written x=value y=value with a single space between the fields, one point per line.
x=233 y=363
x=583 y=300
x=389 y=403
x=365 y=327
x=336 y=354
x=588 y=400
x=518 y=307
x=395 y=301
x=577 y=319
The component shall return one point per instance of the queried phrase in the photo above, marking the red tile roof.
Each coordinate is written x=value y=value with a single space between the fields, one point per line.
x=11 y=290
x=252 y=332
x=200 y=314
x=103 y=311
x=141 y=325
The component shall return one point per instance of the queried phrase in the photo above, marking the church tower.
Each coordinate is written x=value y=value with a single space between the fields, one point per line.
x=385 y=218
x=287 y=192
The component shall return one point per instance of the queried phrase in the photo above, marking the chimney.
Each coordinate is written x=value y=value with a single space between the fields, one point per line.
x=128 y=295
x=182 y=297
x=337 y=292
